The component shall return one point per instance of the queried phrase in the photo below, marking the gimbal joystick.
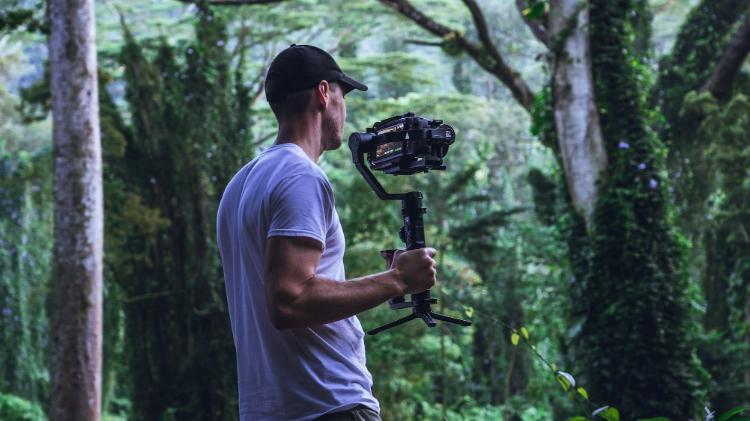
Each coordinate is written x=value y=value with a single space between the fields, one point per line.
x=405 y=145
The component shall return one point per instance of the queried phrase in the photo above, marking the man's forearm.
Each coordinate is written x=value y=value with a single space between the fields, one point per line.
x=323 y=300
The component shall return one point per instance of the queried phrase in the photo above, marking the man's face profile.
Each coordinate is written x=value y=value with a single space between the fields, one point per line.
x=333 y=118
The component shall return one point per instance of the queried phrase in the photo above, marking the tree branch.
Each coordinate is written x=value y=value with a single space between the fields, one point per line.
x=485 y=54
x=720 y=82
x=423 y=42
x=537 y=28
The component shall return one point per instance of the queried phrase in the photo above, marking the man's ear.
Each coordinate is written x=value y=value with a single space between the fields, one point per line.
x=323 y=93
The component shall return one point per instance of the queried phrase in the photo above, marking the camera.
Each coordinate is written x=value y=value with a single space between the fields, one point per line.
x=405 y=144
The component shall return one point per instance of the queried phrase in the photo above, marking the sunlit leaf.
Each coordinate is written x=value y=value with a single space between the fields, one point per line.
x=469 y=311
x=525 y=333
x=566 y=380
x=514 y=338
x=581 y=391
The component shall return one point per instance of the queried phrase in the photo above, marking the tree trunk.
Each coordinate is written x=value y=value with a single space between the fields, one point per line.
x=576 y=118
x=634 y=345
x=77 y=318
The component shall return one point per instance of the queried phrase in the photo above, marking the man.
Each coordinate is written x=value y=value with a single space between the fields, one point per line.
x=300 y=347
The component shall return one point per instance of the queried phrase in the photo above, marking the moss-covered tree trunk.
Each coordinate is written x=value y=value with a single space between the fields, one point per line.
x=634 y=339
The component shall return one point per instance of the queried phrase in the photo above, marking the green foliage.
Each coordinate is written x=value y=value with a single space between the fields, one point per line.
x=13 y=17
x=699 y=45
x=25 y=250
x=165 y=173
x=14 y=408
x=733 y=414
x=727 y=274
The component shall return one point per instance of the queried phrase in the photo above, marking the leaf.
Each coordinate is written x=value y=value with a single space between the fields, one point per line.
x=525 y=333
x=535 y=12
x=581 y=391
x=732 y=412
x=566 y=380
x=578 y=418
x=514 y=338
x=469 y=311
x=607 y=413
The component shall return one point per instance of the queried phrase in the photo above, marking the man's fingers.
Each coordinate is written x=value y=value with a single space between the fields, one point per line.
x=430 y=251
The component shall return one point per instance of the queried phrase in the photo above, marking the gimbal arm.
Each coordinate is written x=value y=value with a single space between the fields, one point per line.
x=358 y=144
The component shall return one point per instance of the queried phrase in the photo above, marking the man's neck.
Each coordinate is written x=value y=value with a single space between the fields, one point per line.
x=305 y=134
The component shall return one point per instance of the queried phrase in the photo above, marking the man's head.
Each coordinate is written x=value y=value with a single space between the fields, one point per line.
x=304 y=81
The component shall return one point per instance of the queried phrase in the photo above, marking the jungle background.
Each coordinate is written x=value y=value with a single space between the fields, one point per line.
x=640 y=303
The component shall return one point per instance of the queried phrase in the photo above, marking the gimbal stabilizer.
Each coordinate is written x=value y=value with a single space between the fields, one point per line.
x=405 y=145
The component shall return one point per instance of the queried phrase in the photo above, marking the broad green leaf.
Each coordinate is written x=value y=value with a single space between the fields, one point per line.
x=607 y=413
x=525 y=333
x=566 y=380
x=581 y=391
x=732 y=412
x=514 y=338
x=469 y=311
x=578 y=418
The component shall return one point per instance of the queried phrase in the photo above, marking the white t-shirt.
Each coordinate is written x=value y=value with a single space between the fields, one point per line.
x=296 y=373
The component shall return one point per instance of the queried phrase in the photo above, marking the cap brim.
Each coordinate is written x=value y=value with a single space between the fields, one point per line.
x=350 y=83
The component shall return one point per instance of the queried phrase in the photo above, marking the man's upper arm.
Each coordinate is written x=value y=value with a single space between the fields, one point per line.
x=300 y=209
x=290 y=264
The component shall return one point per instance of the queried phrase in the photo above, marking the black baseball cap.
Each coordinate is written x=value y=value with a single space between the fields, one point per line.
x=301 y=67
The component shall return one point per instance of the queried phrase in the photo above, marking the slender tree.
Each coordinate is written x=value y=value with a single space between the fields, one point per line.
x=78 y=215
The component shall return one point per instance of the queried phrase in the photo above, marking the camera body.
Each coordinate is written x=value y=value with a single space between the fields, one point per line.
x=405 y=144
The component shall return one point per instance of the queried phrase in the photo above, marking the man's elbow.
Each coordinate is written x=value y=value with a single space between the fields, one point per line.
x=286 y=306
x=284 y=317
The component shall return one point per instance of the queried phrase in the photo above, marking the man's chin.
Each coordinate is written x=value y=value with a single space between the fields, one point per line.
x=334 y=144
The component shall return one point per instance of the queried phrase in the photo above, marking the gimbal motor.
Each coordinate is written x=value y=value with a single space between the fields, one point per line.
x=405 y=145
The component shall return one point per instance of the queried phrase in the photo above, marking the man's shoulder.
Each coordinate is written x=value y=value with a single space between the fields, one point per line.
x=288 y=160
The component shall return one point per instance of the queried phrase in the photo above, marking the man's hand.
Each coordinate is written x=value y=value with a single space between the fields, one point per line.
x=415 y=269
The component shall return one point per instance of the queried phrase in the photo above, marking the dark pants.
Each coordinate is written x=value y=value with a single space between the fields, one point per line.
x=358 y=413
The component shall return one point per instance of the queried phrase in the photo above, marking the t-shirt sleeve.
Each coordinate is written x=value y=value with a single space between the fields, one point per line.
x=301 y=206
